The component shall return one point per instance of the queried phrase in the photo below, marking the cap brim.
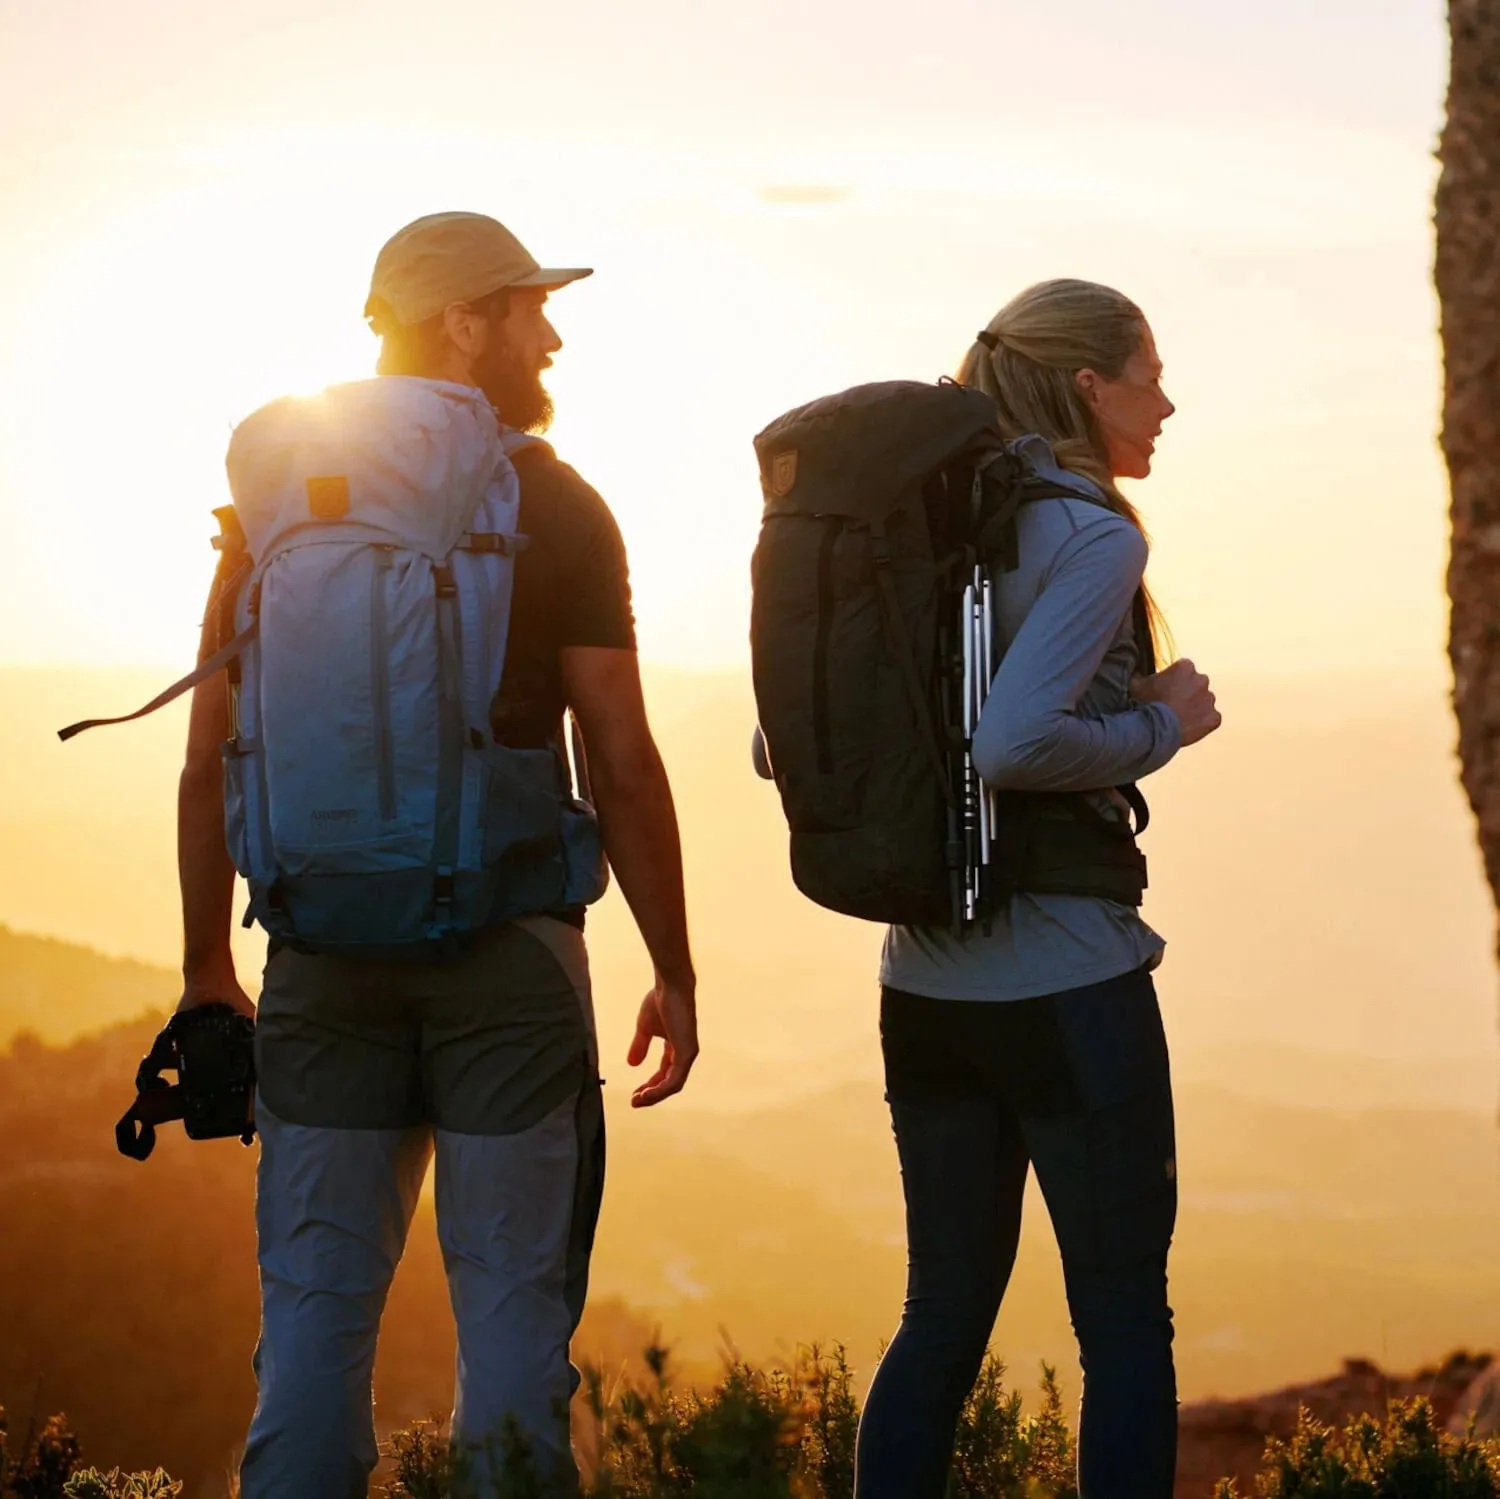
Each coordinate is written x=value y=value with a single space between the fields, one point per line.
x=553 y=277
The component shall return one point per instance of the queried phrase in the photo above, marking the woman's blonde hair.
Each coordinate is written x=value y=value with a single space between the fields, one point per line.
x=1041 y=338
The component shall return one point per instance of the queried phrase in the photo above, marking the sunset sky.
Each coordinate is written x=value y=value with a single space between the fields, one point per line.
x=780 y=198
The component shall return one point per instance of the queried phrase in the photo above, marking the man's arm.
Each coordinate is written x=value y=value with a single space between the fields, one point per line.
x=204 y=870
x=639 y=823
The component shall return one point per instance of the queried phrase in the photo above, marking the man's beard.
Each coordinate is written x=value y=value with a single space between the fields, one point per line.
x=517 y=394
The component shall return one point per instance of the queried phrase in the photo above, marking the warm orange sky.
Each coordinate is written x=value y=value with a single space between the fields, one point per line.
x=780 y=199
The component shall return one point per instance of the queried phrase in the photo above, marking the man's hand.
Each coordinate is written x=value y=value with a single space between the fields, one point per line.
x=671 y=1012
x=221 y=988
x=1185 y=690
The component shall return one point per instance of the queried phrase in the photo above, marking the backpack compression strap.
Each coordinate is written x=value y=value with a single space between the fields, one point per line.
x=215 y=663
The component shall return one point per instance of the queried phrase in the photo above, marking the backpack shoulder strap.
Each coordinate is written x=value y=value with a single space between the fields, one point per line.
x=997 y=534
x=1145 y=646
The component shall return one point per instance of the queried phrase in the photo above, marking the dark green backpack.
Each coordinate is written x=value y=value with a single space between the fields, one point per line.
x=878 y=501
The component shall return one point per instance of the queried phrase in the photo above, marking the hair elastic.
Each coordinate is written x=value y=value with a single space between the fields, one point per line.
x=988 y=339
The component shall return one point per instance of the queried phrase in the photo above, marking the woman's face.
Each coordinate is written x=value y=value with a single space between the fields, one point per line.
x=1130 y=410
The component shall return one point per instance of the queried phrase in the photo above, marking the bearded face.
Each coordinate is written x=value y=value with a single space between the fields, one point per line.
x=509 y=367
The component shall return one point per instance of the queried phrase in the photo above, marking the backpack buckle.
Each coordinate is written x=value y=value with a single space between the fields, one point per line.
x=494 y=542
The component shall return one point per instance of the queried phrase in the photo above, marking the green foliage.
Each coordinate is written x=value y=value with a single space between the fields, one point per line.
x=760 y=1434
x=999 y=1453
x=1406 y=1456
x=422 y=1460
x=757 y=1434
x=790 y=1434
x=90 y=1483
x=46 y=1467
x=832 y=1424
x=42 y=1465
x=428 y=1466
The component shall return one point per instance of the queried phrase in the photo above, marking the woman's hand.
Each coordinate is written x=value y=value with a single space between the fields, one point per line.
x=1185 y=690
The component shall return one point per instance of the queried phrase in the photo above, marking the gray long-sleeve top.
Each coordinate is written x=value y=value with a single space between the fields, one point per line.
x=1059 y=717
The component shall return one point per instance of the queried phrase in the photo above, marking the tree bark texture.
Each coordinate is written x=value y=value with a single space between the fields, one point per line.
x=1468 y=287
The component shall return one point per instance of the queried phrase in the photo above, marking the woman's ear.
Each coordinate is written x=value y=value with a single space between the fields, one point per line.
x=1087 y=382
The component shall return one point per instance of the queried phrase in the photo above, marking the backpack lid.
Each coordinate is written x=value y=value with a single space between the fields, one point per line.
x=401 y=459
x=861 y=452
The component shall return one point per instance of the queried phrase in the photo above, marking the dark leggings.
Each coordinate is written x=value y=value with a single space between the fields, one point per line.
x=1076 y=1084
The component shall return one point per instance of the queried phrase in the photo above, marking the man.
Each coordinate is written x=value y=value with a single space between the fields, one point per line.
x=365 y=1067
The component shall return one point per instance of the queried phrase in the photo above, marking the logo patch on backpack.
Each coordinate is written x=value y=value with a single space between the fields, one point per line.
x=328 y=496
x=783 y=474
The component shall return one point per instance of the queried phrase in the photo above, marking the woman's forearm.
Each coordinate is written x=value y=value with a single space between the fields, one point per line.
x=1067 y=751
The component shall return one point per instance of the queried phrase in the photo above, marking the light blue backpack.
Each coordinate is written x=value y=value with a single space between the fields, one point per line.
x=366 y=801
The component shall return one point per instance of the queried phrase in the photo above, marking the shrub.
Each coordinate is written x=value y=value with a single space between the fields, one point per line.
x=790 y=1434
x=46 y=1467
x=90 y=1483
x=999 y=1453
x=764 y=1434
x=42 y=1465
x=1406 y=1456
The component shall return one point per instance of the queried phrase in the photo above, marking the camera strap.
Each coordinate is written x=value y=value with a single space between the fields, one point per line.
x=156 y=1100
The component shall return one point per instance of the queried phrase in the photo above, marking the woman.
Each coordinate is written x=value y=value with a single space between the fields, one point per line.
x=1035 y=1038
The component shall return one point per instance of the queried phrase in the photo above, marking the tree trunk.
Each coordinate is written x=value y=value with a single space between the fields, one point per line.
x=1468 y=286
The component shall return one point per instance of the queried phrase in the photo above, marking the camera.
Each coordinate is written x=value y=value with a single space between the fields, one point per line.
x=211 y=1048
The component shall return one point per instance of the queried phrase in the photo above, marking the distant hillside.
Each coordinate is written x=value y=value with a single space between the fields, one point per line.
x=1306 y=1234
x=58 y=990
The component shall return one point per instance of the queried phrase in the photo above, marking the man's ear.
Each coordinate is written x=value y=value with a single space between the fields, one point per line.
x=466 y=330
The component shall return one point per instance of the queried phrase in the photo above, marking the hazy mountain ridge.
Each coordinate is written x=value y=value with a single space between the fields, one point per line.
x=1305 y=1234
x=58 y=990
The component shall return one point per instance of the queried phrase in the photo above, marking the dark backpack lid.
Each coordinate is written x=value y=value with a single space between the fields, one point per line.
x=863 y=451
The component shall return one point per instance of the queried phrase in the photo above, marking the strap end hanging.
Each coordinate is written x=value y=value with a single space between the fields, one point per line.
x=215 y=663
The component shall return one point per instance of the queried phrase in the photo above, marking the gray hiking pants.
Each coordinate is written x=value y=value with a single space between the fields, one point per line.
x=366 y=1071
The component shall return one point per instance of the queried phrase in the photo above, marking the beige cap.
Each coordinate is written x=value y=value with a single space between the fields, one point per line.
x=451 y=257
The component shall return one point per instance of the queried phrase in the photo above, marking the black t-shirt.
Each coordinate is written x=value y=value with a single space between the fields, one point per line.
x=572 y=588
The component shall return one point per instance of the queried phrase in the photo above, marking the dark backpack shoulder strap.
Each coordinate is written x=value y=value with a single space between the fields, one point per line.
x=1145 y=646
x=997 y=537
